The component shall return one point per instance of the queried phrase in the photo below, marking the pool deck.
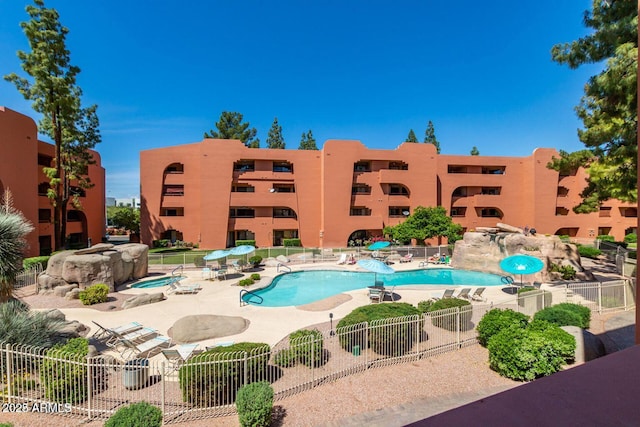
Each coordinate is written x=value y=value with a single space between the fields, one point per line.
x=267 y=324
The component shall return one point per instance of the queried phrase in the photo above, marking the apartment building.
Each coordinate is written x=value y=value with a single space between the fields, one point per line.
x=22 y=157
x=215 y=192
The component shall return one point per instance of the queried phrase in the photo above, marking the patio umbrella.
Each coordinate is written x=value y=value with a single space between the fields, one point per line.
x=521 y=264
x=378 y=245
x=216 y=255
x=242 y=250
x=375 y=266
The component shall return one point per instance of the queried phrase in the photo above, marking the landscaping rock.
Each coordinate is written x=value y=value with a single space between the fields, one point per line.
x=142 y=299
x=588 y=346
x=271 y=262
x=54 y=313
x=282 y=258
x=73 y=294
x=61 y=291
x=206 y=326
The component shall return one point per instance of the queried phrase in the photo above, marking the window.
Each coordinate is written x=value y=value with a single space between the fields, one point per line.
x=44 y=215
x=172 y=212
x=242 y=188
x=43 y=187
x=490 y=191
x=44 y=160
x=284 y=188
x=456 y=169
x=362 y=167
x=563 y=192
x=490 y=213
x=241 y=213
x=398 y=190
x=282 y=167
x=360 y=189
x=399 y=211
x=604 y=231
x=605 y=211
x=175 y=168
x=460 y=192
x=560 y=211
x=173 y=190
x=458 y=211
x=629 y=212
x=45 y=245
x=400 y=166
x=74 y=216
x=244 y=166
x=284 y=213
x=360 y=211
x=493 y=170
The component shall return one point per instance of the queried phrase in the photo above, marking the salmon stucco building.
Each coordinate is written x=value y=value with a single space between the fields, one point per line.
x=21 y=161
x=216 y=192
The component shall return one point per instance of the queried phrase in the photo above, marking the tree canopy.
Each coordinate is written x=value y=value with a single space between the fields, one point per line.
x=474 y=151
x=55 y=95
x=608 y=109
x=275 y=139
x=230 y=126
x=412 y=136
x=307 y=141
x=430 y=136
x=125 y=217
x=425 y=223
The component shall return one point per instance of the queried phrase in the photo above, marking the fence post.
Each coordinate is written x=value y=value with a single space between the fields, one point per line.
x=624 y=293
x=599 y=298
x=246 y=368
x=458 y=326
x=89 y=388
x=9 y=371
x=163 y=398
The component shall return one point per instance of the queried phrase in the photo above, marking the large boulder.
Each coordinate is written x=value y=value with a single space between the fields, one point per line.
x=139 y=254
x=206 y=326
x=588 y=346
x=142 y=299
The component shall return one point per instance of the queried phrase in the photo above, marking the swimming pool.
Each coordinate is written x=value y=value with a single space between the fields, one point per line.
x=155 y=283
x=304 y=287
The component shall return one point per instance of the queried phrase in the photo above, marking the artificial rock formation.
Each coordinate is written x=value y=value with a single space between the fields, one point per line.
x=101 y=263
x=483 y=250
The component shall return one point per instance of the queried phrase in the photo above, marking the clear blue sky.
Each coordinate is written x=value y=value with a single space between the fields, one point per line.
x=162 y=71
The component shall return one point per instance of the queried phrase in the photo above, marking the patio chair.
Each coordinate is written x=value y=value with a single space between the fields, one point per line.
x=477 y=295
x=464 y=293
x=406 y=258
x=177 y=356
x=177 y=288
x=132 y=349
x=390 y=293
x=106 y=333
x=448 y=293
x=221 y=273
x=376 y=294
x=342 y=259
x=206 y=273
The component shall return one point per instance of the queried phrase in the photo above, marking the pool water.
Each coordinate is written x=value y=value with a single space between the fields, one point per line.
x=304 y=287
x=155 y=283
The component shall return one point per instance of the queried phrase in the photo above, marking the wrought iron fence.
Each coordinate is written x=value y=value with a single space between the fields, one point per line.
x=27 y=280
x=206 y=384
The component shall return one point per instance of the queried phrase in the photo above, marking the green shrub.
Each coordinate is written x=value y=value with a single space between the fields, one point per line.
x=461 y=322
x=631 y=238
x=567 y=271
x=589 y=251
x=606 y=238
x=308 y=347
x=212 y=378
x=566 y=314
x=6 y=425
x=383 y=338
x=255 y=277
x=255 y=260
x=141 y=414
x=525 y=354
x=291 y=243
x=27 y=263
x=285 y=358
x=496 y=320
x=246 y=242
x=246 y=282
x=162 y=243
x=632 y=254
x=423 y=306
x=565 y=342
x=255 y=404
x=199 y=261
x=94 y=294
x=64 y=372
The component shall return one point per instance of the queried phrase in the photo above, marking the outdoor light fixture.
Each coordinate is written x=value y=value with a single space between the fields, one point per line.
x=272 y=190
x=331 y=324
x=405 y=213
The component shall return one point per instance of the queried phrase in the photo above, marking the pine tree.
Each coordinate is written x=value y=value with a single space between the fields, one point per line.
x=412 y=136
x=430 y=136
x=307 y=141
x=55 y=95
x=608 y=108
x=275 y=139
x=230 y=126
x=474 y=151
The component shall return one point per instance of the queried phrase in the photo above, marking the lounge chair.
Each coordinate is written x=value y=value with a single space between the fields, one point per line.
x=206 y=273
x=132 y=349
x=464 y=293
x=177 y=288
x=407 y=258
x=177 y=356
x=342 y=259
x=376 y=294
x=106 y=333
x=477 y=295
x=388 y=292
x=448 y=293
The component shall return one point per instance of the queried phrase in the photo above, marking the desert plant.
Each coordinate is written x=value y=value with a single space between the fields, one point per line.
x=496 y=320
x=64 y=372
x=308 y=347
x=94 y=294
x=141 y=414
x=255 y=260
x=462 y=320
x=246 y=282
x=20 y=325
x=567 y=271
x=255 y=277
x=255 y=404
x=566 y=314
x=213 y=378
x=589 y=251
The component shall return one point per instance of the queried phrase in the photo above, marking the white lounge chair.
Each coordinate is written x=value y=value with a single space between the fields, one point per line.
x=464 y=293
x=407 y=258
x=477 y=295
x=342 y=259
x=106 y=333
x=177 y=356
x=177 y=288
x=389 y=293
x=376 y=294
x=132 y=349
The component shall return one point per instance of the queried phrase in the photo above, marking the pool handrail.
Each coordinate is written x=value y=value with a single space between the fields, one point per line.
x=286 y=267
x=180 y=267
x=245 y=291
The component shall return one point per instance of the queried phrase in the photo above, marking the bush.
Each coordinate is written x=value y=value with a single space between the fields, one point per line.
x=27 y=263
x=606 y=238
x=64 y=372
x=94 y=294
x=447 y=321
x=246 y=242
x=255 y=404
x=525 y=354
x=246 y=282
x=631 y=238
x=213 y=378
x=423 y=306
x=141 y=414
x=496 y=320
x=566 y=314
x=385 y=339
x=199 y=261
x=255 y=277
x=291 y=243
x=567 y=272
x=566 y=343
x=255 y=260
x=589 y=251
x=162 y=243
x=308 y=347
x=285 y=358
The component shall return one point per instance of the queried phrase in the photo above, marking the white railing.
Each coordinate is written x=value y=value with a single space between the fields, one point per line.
x=28 y=278
x=205 y=386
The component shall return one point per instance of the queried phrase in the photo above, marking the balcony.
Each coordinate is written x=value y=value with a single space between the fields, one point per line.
x=174 y=179
x=390 y=176
x=172 y=202
x=263 y=199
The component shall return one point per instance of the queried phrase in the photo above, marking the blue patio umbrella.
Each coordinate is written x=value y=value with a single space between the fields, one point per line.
x=378 y=245
x=216 y=255
x=242 y=250
x=521 y=264
x=375 y=266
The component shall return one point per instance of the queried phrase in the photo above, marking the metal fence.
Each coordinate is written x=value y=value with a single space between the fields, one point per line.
x=27 y=281
x=205 y=385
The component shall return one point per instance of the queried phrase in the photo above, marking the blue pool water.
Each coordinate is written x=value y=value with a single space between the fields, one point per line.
x=153 y=283
x=304 y=287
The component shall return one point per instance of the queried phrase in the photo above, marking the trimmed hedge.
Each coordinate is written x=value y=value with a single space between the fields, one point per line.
x=246 y=242
x=308 y=347
x=385 y=339
x=566 y=314
x=255 y=260
x=255 y=404
x=214 y=377
x=291 y=243
x=589 y=251
x=94 y=294
x=141 y=414
x=255 y=277
x=444 y=321
x=496 y=320
x=64 y=381
x=27 y=263
x=631 y=238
